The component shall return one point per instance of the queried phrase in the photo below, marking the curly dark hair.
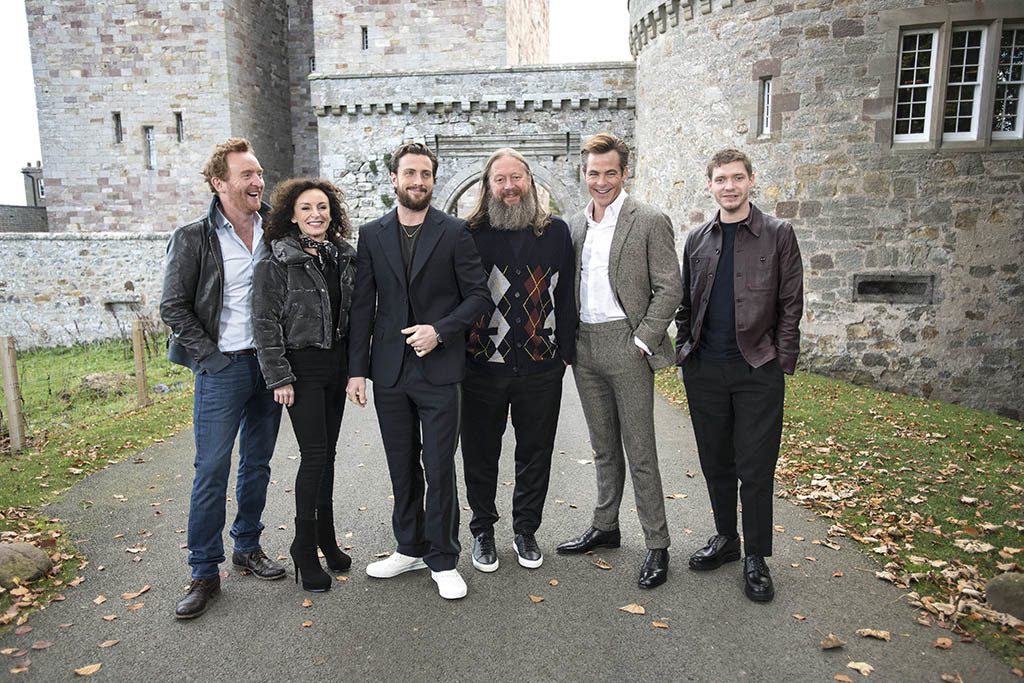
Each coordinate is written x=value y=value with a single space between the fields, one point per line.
x=283 y=201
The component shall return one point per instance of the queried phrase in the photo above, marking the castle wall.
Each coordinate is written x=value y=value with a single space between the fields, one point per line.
x=528 y=32
x=22 y=218
x=544 y=111
x=950 y=215
x=58 y=289
x=146 y=60
x=259 y=86
x=301 y=49
x=408 y=36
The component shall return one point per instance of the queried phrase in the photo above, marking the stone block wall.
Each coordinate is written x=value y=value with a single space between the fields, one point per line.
x=22 y=218
x=528 y=32
x=542 y=110
x=259 y=85
x=301 y=49
x=58 y=289
x=408 y=36
x=146 y=60
x=862 y=207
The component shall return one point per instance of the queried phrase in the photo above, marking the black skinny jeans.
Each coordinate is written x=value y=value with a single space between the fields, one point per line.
x=321 y=376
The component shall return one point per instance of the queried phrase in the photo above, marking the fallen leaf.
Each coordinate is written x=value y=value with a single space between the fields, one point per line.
x=534 y=598
x=842 y=677
x=307 y=603
x=863 y=667
x=874 y=633
x=799 y=617
x=633 y=608
x=22 y=668
x=110 y=617
x=99 y=600
x=22 y=630
x=553 y=582
x=970 y=546
x=109 y=643
x=600 y=564
x=132 y=596
x=88 y=670
x=943 y=643
x=951 y=678
x=384 y=554
x=838 y=575
x=307 y=624
x=136 y=606
x=41 y=645
x=831 y=641
x=659 y=624
x=342 y=578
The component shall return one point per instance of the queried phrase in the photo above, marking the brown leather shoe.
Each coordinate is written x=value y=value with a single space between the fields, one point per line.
x=258 y=564
x=195 y=602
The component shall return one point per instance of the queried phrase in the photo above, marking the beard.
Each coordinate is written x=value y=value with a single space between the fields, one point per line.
x=519 y=216
x=406 y=200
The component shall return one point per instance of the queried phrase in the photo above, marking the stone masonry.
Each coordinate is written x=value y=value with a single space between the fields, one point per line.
x=862 y=207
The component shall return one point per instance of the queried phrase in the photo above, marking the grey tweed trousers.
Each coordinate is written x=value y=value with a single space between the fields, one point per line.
x=616 y=388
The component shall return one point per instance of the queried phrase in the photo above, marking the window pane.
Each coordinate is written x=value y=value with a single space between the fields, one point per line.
x=1006 y=114
x=914 y=87
x=964 y=73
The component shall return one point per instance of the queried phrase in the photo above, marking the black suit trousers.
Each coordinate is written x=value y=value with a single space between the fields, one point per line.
x=419 y=423
x=736 y=411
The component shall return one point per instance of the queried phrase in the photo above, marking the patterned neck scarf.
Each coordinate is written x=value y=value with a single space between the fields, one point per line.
x=324 y=250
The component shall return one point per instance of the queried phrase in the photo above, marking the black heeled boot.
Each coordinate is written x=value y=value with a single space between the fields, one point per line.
x=303 y=552
x=337 y=560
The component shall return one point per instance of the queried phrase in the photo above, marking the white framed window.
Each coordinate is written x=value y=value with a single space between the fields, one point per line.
x=1007 y=115
x=915 y=81
x=765 y=120
x=961 y=114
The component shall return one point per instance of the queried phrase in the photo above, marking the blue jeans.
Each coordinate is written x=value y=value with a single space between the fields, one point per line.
x=232 y=401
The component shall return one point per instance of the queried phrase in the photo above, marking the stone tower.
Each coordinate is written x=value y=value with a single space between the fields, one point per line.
x=890 y=133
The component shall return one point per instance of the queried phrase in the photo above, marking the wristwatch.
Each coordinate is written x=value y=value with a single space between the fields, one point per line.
x=439 y=342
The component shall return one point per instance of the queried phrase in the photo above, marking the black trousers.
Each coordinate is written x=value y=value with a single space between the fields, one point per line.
x=737 y=419
x=316 y=420
x=534 y=401
x=421 y=420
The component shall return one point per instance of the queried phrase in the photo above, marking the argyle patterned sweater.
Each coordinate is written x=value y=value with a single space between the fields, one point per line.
x=533 y=325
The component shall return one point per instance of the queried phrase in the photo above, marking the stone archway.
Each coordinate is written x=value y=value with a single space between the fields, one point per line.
x=565 y=198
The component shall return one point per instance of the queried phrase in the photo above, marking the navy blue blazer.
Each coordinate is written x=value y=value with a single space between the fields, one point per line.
x=446 y=288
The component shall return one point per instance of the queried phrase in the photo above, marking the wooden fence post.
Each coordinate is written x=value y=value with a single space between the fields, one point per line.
x=12 y=392
x=139 y=350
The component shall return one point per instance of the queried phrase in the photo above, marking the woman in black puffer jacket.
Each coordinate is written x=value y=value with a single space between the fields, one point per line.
x=302 y=294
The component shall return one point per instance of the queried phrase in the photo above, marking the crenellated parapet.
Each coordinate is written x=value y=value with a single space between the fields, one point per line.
x=548 y=88
x=651 y=18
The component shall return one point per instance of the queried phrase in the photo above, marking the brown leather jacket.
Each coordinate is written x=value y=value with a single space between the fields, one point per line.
x=769 y=284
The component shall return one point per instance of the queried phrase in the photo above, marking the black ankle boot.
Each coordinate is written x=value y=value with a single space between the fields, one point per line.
x=303 y=552
x=337 y=561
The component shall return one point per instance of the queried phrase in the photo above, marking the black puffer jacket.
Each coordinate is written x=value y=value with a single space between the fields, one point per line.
x=291 y=308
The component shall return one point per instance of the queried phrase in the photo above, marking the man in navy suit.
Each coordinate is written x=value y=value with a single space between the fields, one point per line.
x=419 y=286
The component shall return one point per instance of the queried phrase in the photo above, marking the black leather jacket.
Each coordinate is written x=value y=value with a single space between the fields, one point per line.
x=193 y=294
x=291 y=308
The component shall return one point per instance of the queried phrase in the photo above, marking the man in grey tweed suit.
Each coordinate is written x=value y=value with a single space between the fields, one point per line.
x=628 y=287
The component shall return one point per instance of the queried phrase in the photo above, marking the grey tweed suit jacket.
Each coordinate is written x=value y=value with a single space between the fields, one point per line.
x=644 y=273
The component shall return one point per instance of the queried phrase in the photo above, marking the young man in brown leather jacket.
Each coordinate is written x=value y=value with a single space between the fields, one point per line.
x=738 y=331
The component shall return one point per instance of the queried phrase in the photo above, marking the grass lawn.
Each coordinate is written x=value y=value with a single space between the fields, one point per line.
x=933 y=491
x=74 y=431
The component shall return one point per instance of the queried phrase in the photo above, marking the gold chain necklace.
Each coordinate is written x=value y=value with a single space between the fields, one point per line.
x=412 y=234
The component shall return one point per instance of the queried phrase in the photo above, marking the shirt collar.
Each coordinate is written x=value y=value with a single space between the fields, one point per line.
x=221 y=221
x=611 y=214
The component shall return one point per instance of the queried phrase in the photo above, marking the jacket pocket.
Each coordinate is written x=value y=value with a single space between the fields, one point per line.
x=762 y=274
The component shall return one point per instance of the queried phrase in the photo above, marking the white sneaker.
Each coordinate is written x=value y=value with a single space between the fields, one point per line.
x=394 y=565
x=450 y=585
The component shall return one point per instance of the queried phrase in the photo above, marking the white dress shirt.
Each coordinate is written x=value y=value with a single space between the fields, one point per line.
x=235 y=332
x=597 y=300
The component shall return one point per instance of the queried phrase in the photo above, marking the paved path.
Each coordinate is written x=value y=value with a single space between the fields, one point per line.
x=366 y=629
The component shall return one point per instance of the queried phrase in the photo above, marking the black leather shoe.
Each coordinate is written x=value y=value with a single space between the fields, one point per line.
x=719 y=550
x=758 y=580
x=591 y=538
x=485 y=555
x=258 y=564
x=655 y=569
x=200 y=592
x=528 y=551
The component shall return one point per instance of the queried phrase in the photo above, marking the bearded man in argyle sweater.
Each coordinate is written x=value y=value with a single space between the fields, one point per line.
x=516 y=355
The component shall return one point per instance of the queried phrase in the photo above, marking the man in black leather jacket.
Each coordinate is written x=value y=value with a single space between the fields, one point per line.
x=207 y=302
